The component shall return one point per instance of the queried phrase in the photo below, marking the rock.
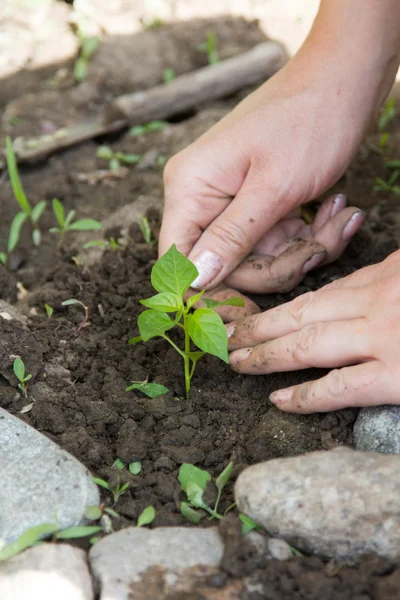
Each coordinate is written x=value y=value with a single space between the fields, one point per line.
x=127 y=562
x=59 y=568
x=279 y=549
x=40 y=483
x=377 y=429
x=9 y=313
x=338 y=504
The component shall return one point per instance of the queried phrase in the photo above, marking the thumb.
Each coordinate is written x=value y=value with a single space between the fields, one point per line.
x=231 y=236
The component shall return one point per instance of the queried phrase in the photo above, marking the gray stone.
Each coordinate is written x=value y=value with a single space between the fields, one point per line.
x=279 y=549
x=10 y=313
x=47 y=571
x=40 y=483
x=126 y=558
x=377 y=429
x=338 y=504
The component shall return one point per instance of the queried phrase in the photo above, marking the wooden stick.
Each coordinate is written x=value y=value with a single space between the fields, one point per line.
x=162 y=101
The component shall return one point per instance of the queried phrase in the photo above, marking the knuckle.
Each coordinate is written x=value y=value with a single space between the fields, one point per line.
x=232 y=235
x=306 y=341
x=336 y=385
x=299 y=306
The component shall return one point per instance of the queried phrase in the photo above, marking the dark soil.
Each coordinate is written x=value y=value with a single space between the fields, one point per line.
x=79 y=380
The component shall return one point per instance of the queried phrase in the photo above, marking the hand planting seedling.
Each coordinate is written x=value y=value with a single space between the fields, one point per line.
x=137 y=130
x=19 y=371
x=85 y=321
x=27 y=212
x=388 y=186
x=117 y=158
x=88 y=47
x=152 y=390
x=66 y=223
x=193 y=482
x=171 y=276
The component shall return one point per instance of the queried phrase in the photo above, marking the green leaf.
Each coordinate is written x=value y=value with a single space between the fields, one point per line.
x=189 y=513
x=152 y=323
x=152 y=390
x=165 y=301
x=54 y=230
x=393 y=164
x=49 y=310
x=169 y=75
x=195 y=494
x=15 y=230
x=104 y=152
x=193 y=299
x=137 y=130
x=135 y=340
x=191 y=474
x=145 y=228
x=93 y=512
x=228 y=302
x=156 y=125
x=135 y=467
x=173 y=272
x=208 y=332
x=27 y=378
x=85 y=225
x=80 y=69
x=69 y=218
x=70 y=302
x=128 y=159
x=112 y=512
x=27 y=539
x=147 y=516
x=247 y=523
x=195 y=356
x=36 y=237
x=13 y=174
x=393 y=178
x=19 y=368
x=89 y=46
x=119 y=464
x=77 y=532
x=114 y=164
x=224 y=477
x=94 y=243
x=37 y=210
x=58 y=210
x=101 y=483
x=3 y=258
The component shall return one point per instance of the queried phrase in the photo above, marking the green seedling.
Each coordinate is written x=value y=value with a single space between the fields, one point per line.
x=49 y=310
x=152 y=390
x=168 y=75
x=145 y=228
x=133 y=467
x=194 y=482
x=137 y=130
x=117 y=491
x=13 y=236
x=94 y=512
x=111 y=243
x=387 y=114
x=247 y=524
x=117 y=158
x=85 y=321
x=19 y=371
x=388 y=186
x=393 y=164
x=66 y=223
x=28 y=212
x=88 y=46
x=147 y=516
x=172 y=276
x=210 y=47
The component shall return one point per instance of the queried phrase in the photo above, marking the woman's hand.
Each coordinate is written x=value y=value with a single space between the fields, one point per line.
x=352 y=323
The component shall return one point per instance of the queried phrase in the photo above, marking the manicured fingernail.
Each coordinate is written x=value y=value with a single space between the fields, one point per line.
x=281 y=396
x=313 y=262
x=208 y=265
x=338 y=204
x=353 y=225
x=237 y=357
x=230 y=328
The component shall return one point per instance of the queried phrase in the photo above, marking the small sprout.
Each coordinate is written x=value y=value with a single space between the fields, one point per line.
x=147 y=516
x=49 y=310
x=388 y=186
x=33 y=214
x=152 y=390
x=172 y=276
x=77 y=532
x=168 y=75
x=88 y=46
x=247 y=523
x=66 y=223
x=161 y=160
x=19 y=371
x=111 y=243
x=210 y=47
x=135 y=467
x=145 y=228
x=383 y=140
x=137 y=130
x=117 y=158
x=117 y=491
x=119 y=464
x=85 y=321
x=393 y=164
x=27 y=539
x=388 y=113
x=93 y=512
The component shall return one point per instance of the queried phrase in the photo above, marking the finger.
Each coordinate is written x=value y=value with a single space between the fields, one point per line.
x=322 y=345
x=278 y=236
x=325 y=305
x=360 y=385
x=329 y=208
x=233 y=234
x=338 y=231
x=227 y=313
x=266 y=274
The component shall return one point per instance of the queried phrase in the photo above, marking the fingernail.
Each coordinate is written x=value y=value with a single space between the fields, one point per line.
x=239 y=356
x=208 y=265
x=338 y=204
x=230 y=328
x=313 y=262
x=281 y=396
x=353 y=225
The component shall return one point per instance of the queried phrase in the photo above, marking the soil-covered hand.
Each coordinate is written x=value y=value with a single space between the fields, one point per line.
x=353 y=323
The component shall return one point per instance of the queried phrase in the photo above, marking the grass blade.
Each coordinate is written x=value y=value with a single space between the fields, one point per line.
x=16 y=184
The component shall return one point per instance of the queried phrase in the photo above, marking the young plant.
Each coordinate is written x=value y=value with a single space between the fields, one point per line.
x=133 y=467
x=85 y=321
x=172 y=276
x=117 y=491
x=13 y=237
x=28 y=212
x=19 y=371
x=168 y=75
x=146 y=516
x=210 y=47
x=388 y=186
x=66 y=223
x=194 y=482
x=117 y=158
x=137 y=130
x=111 y=243
x=49 y=310
x=387 y=114
x=88 y=47
x=152 y=390
x=145 y=229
